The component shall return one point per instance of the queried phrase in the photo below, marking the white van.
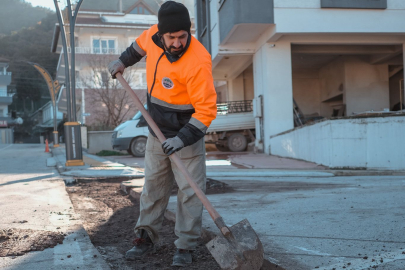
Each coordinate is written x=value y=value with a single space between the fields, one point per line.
x=131 y=136
x=232 y=130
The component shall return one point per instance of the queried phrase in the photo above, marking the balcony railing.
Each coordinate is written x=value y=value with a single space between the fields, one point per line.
x=234 y=13
x=5 y=78
x=6 y=100
x=80 y=85
x=3 y=93
x=89 y=50
x=235 y=107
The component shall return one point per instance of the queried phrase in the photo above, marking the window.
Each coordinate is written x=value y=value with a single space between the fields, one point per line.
x=103 y=46
x=139 y=80
x=100 y=79
x=203 y=26
x=79 y=83
x=203 y=20
x=141 y=9
x=1 y=112
x=3 y=91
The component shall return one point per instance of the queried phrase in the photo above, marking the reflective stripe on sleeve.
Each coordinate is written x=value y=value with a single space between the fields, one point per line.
x=171 y=106
x=198 y=124
x=138 y=49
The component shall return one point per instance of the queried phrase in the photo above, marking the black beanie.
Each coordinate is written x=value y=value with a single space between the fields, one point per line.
x=173 y=17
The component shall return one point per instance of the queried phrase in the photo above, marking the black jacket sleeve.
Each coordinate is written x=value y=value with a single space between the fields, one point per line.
x=190 y=134
x=130 y=56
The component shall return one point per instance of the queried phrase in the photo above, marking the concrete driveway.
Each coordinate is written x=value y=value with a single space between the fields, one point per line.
x=321 y=223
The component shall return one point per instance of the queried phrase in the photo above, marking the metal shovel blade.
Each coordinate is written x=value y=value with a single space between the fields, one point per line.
x=242 y=250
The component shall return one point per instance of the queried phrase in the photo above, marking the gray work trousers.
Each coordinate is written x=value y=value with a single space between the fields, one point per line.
x=160 y=174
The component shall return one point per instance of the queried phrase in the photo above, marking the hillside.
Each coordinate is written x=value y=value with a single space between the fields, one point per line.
x=30 y=44
x=17 y=14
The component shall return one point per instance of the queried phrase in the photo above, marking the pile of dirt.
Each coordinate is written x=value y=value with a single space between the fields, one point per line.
x=109 y=216
x=212 y=187
x=17 y=242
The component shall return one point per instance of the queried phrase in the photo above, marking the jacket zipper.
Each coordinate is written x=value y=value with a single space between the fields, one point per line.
x=154 y=76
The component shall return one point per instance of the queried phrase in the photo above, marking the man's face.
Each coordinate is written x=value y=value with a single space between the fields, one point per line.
x=175 y=42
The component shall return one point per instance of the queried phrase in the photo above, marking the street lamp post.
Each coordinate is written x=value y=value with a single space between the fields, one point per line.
x=73 y=141
x=54 y=88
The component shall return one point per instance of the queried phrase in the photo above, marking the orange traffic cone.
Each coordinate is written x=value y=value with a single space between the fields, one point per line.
x=46 y=146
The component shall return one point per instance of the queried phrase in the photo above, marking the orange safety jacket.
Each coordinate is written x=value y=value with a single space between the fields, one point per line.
x=181 y=94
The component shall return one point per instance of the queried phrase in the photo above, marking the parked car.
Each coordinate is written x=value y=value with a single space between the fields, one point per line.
x=232 y=130
x=131 y=136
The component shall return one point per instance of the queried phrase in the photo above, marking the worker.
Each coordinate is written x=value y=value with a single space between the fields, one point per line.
x=181 y=99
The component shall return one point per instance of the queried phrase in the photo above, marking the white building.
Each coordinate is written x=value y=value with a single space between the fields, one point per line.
x=333 y=57
x=5 y=98
x=6 y=121
x=104 y=29
x=43 y=120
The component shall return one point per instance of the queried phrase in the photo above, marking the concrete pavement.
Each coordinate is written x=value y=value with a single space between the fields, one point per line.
x=33 y=196
x=247 y=164
x=312 y=220
x=95 y=167
x=320 y=223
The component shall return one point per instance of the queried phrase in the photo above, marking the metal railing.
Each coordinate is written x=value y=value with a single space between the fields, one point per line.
x=235 y=107
x=3 y=93
x=89 y=50
x=5 y=73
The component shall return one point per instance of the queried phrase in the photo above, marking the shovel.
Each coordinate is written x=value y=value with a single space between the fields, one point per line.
x=238 y=247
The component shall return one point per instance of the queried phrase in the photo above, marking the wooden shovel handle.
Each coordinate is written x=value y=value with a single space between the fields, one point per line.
x=213 y=213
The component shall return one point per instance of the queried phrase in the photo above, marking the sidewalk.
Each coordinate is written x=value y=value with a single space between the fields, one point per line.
x=33 y=196
x=95 y=167
x=247 y=164
x=219 y=164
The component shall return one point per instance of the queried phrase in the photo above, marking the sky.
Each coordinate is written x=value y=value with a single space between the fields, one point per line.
x=42 y=3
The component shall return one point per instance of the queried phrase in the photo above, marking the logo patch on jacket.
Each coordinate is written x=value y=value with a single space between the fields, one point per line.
x=167 y=83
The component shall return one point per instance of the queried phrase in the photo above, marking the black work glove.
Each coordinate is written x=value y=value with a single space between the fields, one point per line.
x=116 y=66
x=172 y=145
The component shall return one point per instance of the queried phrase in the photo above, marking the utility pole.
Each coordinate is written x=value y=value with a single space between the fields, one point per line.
x=73 y=140
x=54 y=88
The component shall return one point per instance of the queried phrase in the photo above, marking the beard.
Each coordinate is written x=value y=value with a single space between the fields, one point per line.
x=173 y=50
x=176 y=51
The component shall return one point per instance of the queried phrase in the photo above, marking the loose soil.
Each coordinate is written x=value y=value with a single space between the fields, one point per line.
x=109 y=216
x=17 y=242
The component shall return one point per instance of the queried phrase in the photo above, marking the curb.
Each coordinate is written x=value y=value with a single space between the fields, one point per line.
x=366 y=173
x=74 y=172
x=59 y=165
x=268 y=173
x=133 y=188
x=300 y=173
x=127 y=173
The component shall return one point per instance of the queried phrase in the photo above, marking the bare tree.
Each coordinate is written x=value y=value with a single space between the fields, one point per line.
x=110 y=103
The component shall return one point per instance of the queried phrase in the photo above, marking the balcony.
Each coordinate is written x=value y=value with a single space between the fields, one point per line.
x=6 y=100
x=243 y=21
x=364 y=4
x=89 y=50
x=5 y=78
